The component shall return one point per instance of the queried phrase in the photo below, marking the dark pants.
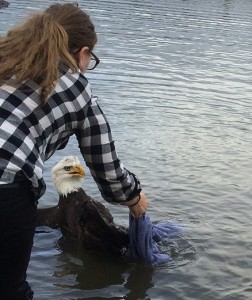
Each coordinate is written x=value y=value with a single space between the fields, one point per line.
x=17 y=228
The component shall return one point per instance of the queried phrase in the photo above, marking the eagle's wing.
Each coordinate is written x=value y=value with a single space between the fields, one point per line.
x=92 y=223
x=51 y=217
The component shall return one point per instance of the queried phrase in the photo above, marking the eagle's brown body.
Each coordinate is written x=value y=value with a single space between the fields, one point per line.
x=87 y=220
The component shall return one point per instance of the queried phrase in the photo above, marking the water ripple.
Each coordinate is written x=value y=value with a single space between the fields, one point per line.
x=174 y=82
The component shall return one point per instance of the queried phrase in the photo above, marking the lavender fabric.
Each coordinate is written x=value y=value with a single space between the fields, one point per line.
x=144 y=236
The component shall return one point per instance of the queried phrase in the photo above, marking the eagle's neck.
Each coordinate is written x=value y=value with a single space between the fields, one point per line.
x=65 y=187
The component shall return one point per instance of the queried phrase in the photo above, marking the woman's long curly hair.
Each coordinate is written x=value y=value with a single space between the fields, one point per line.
x=34 y=50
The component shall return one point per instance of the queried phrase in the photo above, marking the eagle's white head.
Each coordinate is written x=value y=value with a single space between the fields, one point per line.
x=67 y=175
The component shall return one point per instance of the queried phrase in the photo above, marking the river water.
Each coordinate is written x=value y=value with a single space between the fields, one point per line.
x=175 y=84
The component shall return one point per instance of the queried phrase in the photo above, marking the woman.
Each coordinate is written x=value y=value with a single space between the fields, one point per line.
x=44 y=99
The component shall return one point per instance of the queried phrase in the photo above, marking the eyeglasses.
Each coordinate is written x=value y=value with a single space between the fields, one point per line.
x=94 y=62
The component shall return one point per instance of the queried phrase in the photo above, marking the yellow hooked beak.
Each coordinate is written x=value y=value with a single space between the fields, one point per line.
x=77 y=170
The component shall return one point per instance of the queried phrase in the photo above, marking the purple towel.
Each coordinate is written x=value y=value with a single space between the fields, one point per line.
x=144 y=236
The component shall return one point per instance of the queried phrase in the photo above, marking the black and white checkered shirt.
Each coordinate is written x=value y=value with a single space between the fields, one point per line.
x=30 y=134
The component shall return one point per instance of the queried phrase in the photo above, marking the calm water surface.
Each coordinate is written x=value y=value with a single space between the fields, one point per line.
x=175 y=83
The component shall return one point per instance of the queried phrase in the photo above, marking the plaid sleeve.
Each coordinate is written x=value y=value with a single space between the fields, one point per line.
x=114 y=181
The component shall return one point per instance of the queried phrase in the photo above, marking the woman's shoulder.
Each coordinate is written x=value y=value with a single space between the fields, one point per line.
x=73 y=86
x=69 y=80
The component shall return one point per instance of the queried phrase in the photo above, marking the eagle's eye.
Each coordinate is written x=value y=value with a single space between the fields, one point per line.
x=67 y=168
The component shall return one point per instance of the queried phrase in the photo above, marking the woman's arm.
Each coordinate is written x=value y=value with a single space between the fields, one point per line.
x=115 y=182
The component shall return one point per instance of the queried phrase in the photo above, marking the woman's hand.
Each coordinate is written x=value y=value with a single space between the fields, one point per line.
x=137 y=207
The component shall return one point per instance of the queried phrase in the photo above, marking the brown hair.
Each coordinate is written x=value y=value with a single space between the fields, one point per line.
x=33 y=50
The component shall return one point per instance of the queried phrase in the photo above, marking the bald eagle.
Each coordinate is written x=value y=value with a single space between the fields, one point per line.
x=77 y=214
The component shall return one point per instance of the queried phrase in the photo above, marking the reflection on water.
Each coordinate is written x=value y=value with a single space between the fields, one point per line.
x=88 y=273
x=174 y=82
